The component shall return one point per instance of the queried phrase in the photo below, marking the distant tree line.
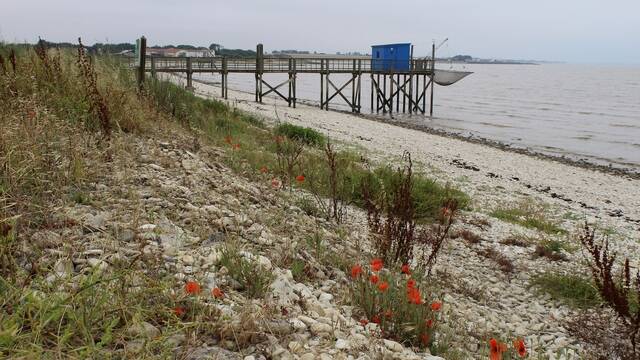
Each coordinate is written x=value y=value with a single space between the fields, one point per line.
x=462 y=58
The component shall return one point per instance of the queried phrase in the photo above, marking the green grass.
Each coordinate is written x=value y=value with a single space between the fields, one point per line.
x=299 y=133
x=227 y=127
x=50 y=137
x=529 y=215
x=254 y=279
x=574 y=290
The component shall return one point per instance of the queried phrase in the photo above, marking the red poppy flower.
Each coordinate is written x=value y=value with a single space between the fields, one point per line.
x=429 y=323
x=411 y=284
x=228 y=139
x=236 y=146
x=518 y=344
x=406 y=269
x=383 y=286
x=496 y=349
x=375 y=319
x=279 y=139
x=376 y=264
x=179 y=311
x=264 y=170
x=275 y=183
x=300 y=178
x=356 y=270
x=414 y=296
x=388 y=314
x=424 y=338
x=364 y=322
x=436 y=305
x=217 y=293
x=192 y=287
x=374 y=279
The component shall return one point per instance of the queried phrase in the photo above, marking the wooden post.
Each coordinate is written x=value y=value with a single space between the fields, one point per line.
x=398 y=96
x=259 y=58
x=189 y=75
x=321 y=84
x=359 y=86
x=371 y=92
x=225 y=75
x=142 y=65
x=378 y=96
x=326 y=88
x=353 y=86
x=384 y=94
x=417 y=93
x=424 y=98
x=433 y=74
x=404 y=96
x=295 y=75
x=290 y=84
x=153 y=67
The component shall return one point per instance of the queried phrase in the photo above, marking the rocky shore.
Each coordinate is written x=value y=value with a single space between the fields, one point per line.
x=483 y=298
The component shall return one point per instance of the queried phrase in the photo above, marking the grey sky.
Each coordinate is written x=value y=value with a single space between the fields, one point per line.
x=566 y=30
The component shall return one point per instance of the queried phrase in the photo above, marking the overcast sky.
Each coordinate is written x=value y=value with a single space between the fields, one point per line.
x=595 y=31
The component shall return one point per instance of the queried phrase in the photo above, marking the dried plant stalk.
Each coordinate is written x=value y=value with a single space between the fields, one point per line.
x=616 y=291
x=96 y=100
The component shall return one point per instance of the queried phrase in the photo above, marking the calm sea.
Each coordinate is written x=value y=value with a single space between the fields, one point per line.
x=587 y=112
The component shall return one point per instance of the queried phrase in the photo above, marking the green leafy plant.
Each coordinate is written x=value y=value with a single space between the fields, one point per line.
x=574 y=290
x=529 y=215
x=305 y=135
x=253 y=278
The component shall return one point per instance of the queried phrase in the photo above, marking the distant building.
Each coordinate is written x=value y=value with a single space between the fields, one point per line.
x=154 y=51
x=174 y=52
x=196 y=53
x=391 y=57
x=127 y=53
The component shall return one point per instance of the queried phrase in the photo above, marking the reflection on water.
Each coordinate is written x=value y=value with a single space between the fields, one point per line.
x=582 y=111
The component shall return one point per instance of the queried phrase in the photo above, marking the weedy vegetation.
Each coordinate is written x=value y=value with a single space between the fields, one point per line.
x=529 y=215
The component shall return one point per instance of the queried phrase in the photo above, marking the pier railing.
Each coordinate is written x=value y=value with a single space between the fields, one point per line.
x=395 y=84
x=283 y=65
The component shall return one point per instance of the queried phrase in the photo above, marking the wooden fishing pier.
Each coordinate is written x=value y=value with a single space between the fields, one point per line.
x=396 y=86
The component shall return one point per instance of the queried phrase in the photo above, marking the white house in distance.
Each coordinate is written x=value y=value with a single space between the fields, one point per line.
x=196 y=53
x=174 y=52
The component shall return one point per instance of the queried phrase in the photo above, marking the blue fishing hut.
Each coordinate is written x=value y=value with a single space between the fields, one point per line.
x=391 y=57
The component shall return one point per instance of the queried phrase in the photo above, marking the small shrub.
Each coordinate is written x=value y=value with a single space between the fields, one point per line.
x=336 y=184
x=481 y=223
x=499 y=258
x=253 y=278
x=393 y=300
x=80 y=197
x=298 y=270
x=288 y=155
x=9 y=250
x=517 y=240
x=551 y=249
x=392 y=220
x=308 y=206
x=468 y=235
x=574 y=290
x=305 y=135
x=317 y=246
